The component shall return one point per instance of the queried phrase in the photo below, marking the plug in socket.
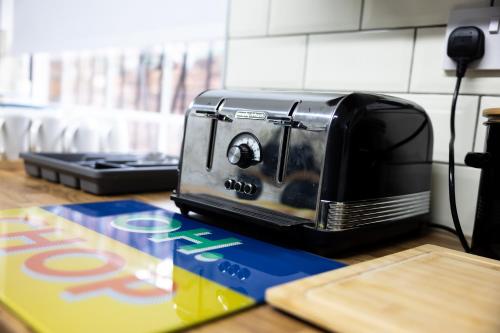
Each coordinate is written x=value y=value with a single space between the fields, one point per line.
x=484 y=18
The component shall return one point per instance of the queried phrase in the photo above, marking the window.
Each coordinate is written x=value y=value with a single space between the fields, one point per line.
x=196 y=67
x=161 y=79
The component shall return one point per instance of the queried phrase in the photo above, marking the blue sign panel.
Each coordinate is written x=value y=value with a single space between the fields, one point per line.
x=245 y=265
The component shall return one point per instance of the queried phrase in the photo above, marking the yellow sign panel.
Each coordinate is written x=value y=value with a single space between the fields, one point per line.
x=62 y=277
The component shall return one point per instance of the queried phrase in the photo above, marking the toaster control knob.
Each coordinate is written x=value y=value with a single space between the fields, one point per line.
x=229 y=184
x=249 y=188
x=240 y=155
x=238 y=186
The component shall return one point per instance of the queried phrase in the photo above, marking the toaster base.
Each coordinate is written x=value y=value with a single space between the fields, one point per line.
x=327 y=242
x=213 y=205
x=296 y=232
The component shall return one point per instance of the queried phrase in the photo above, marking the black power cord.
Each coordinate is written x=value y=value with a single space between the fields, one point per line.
x=444 y=227
x=451 y=170
x=465 y=44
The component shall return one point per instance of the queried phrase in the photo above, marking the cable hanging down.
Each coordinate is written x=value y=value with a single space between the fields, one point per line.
x=451 y=170
x=465 y=44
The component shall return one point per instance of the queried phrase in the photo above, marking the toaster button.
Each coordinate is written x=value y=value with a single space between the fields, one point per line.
x=238 y=186
x=249 y=188
x=229 y=184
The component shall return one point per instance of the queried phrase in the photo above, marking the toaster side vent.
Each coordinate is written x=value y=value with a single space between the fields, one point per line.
x=353 y=214
x=283 y=152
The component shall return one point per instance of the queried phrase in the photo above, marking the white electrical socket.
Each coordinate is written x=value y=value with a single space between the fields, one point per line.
x=488 y=20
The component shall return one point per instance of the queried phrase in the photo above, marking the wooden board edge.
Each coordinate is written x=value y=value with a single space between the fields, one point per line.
x=292 y=293
x=287 y=290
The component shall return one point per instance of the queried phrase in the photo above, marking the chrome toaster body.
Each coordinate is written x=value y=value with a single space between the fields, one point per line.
x=325 y=162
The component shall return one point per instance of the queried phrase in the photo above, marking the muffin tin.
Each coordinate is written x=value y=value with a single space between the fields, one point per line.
x=104 y=174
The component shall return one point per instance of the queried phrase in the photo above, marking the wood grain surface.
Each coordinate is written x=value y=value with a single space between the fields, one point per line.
x=17 y=190
x=426 y=289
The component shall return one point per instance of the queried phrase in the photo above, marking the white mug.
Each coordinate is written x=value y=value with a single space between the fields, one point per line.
x=84 y=138
x=48 y=134
x=116 y=138
x=14 y=133
x=174 y=133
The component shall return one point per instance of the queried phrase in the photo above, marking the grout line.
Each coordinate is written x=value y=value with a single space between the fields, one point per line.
x=385 y=92
x=361 y=14
x=412 y=58
x=304 y=69
x=397 y=92
x=478 y=114
x=268 y=23
x=446 y=163
x=335 y=31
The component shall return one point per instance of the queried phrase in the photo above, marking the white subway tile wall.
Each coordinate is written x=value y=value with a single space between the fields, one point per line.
x=389 y=46
x=347 y=61
x=252 y=60
x=429 y=77
x=287 y=16
x=466 y=184
x=248 y=18
x=411 y=13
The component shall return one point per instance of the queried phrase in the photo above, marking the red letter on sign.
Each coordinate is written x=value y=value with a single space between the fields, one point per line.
x=36 y=240
x=124 y=288
x=36 y=265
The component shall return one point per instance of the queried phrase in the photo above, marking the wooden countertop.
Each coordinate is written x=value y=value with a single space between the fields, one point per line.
x=17 y=190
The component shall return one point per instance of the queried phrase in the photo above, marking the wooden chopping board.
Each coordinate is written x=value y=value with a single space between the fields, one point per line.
x=424 y=289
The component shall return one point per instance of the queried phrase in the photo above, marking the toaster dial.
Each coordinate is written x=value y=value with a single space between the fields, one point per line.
x=240 y=155
x=244 y=150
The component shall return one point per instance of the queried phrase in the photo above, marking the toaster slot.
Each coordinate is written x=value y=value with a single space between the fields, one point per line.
x=211 y=143
x=285 y=139
x=213 y=133
x=283 y=154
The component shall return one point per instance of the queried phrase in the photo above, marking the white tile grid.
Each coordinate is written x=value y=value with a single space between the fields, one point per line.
x=426 y=81
x=248 y=18
x=466 y=184
x=486 y=102
x=305 y=16
x=276 y=62
x=411 y=13
x=252 y=18
x=429 y=77
x=369 y=60
x=438 y=107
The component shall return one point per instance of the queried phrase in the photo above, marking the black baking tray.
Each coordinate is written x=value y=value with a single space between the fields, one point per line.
x=104 y=174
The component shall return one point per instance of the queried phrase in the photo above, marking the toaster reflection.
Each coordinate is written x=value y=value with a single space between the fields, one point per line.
x=198 y=296
x=194 y=255
x=302 y=174
x=198 y=299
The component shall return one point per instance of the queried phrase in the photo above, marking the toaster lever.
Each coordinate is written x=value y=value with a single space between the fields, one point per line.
x=213 y=115
x=280 y=121
x=286 y=122
x=311 y=128
x=289 y=122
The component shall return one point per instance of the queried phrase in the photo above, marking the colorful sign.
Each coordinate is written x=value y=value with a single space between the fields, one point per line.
x=126 y=266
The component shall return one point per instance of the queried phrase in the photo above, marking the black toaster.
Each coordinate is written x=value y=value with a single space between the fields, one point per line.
x=333 y=171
